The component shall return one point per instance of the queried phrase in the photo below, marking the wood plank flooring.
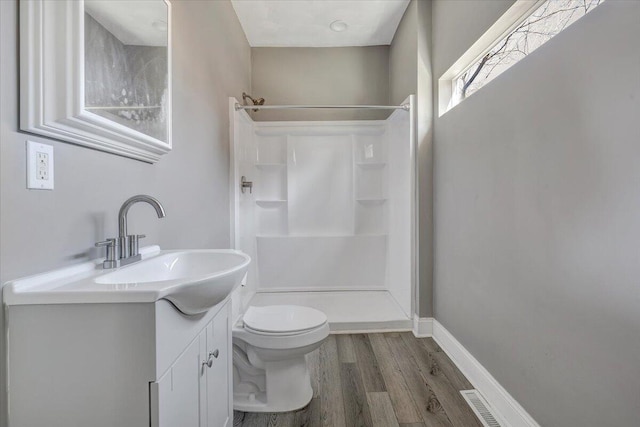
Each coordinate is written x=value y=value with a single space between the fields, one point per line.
x=377 y=380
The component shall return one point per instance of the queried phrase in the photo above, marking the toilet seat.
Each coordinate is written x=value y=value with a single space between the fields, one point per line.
x=282 y=320
x=276 y=334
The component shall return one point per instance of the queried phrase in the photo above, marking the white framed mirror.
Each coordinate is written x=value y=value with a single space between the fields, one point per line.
x=98 y=73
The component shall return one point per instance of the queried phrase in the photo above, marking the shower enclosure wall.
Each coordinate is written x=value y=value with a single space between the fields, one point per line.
x=328 y=219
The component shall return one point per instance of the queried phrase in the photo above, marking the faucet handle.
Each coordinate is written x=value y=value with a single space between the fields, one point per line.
x=111 y=259
x=244 y=184
x=134 y=248
x=107 y=243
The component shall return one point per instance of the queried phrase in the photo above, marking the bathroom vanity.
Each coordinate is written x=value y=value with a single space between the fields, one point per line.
x=89 y=349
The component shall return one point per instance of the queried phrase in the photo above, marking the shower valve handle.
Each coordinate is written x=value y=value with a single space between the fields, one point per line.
x=246 y=184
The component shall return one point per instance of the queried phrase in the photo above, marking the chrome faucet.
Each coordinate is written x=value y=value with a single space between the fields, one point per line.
x=125 y=249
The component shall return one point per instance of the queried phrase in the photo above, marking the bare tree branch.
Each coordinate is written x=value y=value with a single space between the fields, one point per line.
x=551 y=18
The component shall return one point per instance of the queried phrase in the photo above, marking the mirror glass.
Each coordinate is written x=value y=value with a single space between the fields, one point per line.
x=126 y=66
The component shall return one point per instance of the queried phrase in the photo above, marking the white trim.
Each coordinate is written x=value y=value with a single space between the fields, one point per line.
x=415 y=214
x=508 y=22
x=503 y=405
x=422 y=326
x=52 y=101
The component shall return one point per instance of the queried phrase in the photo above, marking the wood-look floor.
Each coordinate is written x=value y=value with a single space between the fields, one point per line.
x=380 y=380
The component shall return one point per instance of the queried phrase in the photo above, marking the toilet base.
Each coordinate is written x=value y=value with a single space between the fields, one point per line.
x=288 y=382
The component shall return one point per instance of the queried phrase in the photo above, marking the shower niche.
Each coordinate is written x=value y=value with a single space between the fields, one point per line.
x=370 y=184
x=270 y=172
x=331 y=207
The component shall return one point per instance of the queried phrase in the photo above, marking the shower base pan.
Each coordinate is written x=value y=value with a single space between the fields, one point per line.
x=347 y=311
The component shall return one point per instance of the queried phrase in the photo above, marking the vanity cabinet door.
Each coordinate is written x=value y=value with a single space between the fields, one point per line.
x=219 y=375
x=175 y=398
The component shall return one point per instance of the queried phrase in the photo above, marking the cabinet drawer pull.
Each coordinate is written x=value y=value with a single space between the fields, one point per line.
x=212 y=355
x=208 y=362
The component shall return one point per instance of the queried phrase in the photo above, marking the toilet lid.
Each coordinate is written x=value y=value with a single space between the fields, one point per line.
x=283 y=318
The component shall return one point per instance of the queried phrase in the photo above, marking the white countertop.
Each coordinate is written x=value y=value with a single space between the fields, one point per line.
x=81 y=284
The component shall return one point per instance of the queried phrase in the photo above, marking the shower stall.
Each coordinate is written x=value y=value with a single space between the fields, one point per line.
x=326 y=210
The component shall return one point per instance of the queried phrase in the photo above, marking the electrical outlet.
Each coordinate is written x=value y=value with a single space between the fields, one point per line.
x=39 y=166
x=43 y=166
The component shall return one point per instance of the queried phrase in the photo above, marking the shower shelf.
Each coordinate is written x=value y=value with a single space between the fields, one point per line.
x=272 y=201
x=270 y=165
x=371 y=165
x=372 y=200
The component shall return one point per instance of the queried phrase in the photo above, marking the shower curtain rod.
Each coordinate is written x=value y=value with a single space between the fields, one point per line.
x=405 y=107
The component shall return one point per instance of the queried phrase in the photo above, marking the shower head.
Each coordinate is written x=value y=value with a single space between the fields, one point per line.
x=259 y=101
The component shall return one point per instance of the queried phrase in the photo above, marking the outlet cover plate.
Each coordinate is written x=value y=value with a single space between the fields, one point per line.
x=39 y=166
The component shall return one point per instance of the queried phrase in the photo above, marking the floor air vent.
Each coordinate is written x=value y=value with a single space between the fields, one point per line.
x=480 y=407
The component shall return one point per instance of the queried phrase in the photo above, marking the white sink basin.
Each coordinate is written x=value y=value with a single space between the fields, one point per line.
x=177 y=266
x=192 y=280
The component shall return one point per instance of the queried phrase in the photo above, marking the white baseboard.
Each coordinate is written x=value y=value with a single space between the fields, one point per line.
x=370 y=327
x=422 y=326
x=504 y=406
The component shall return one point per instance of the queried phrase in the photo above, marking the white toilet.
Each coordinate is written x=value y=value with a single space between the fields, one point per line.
x=270 y=373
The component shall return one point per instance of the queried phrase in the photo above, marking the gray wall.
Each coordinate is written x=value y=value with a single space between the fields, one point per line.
x=410 y=73
x=538 y=215
x=403 y=57
x=42 y=230
x=338 y=75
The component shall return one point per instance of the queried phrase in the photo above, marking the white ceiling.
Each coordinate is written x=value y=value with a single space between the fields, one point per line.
x=306 y=23
x=133 y=22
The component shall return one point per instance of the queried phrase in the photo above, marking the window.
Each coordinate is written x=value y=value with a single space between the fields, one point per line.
x=529 y=31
